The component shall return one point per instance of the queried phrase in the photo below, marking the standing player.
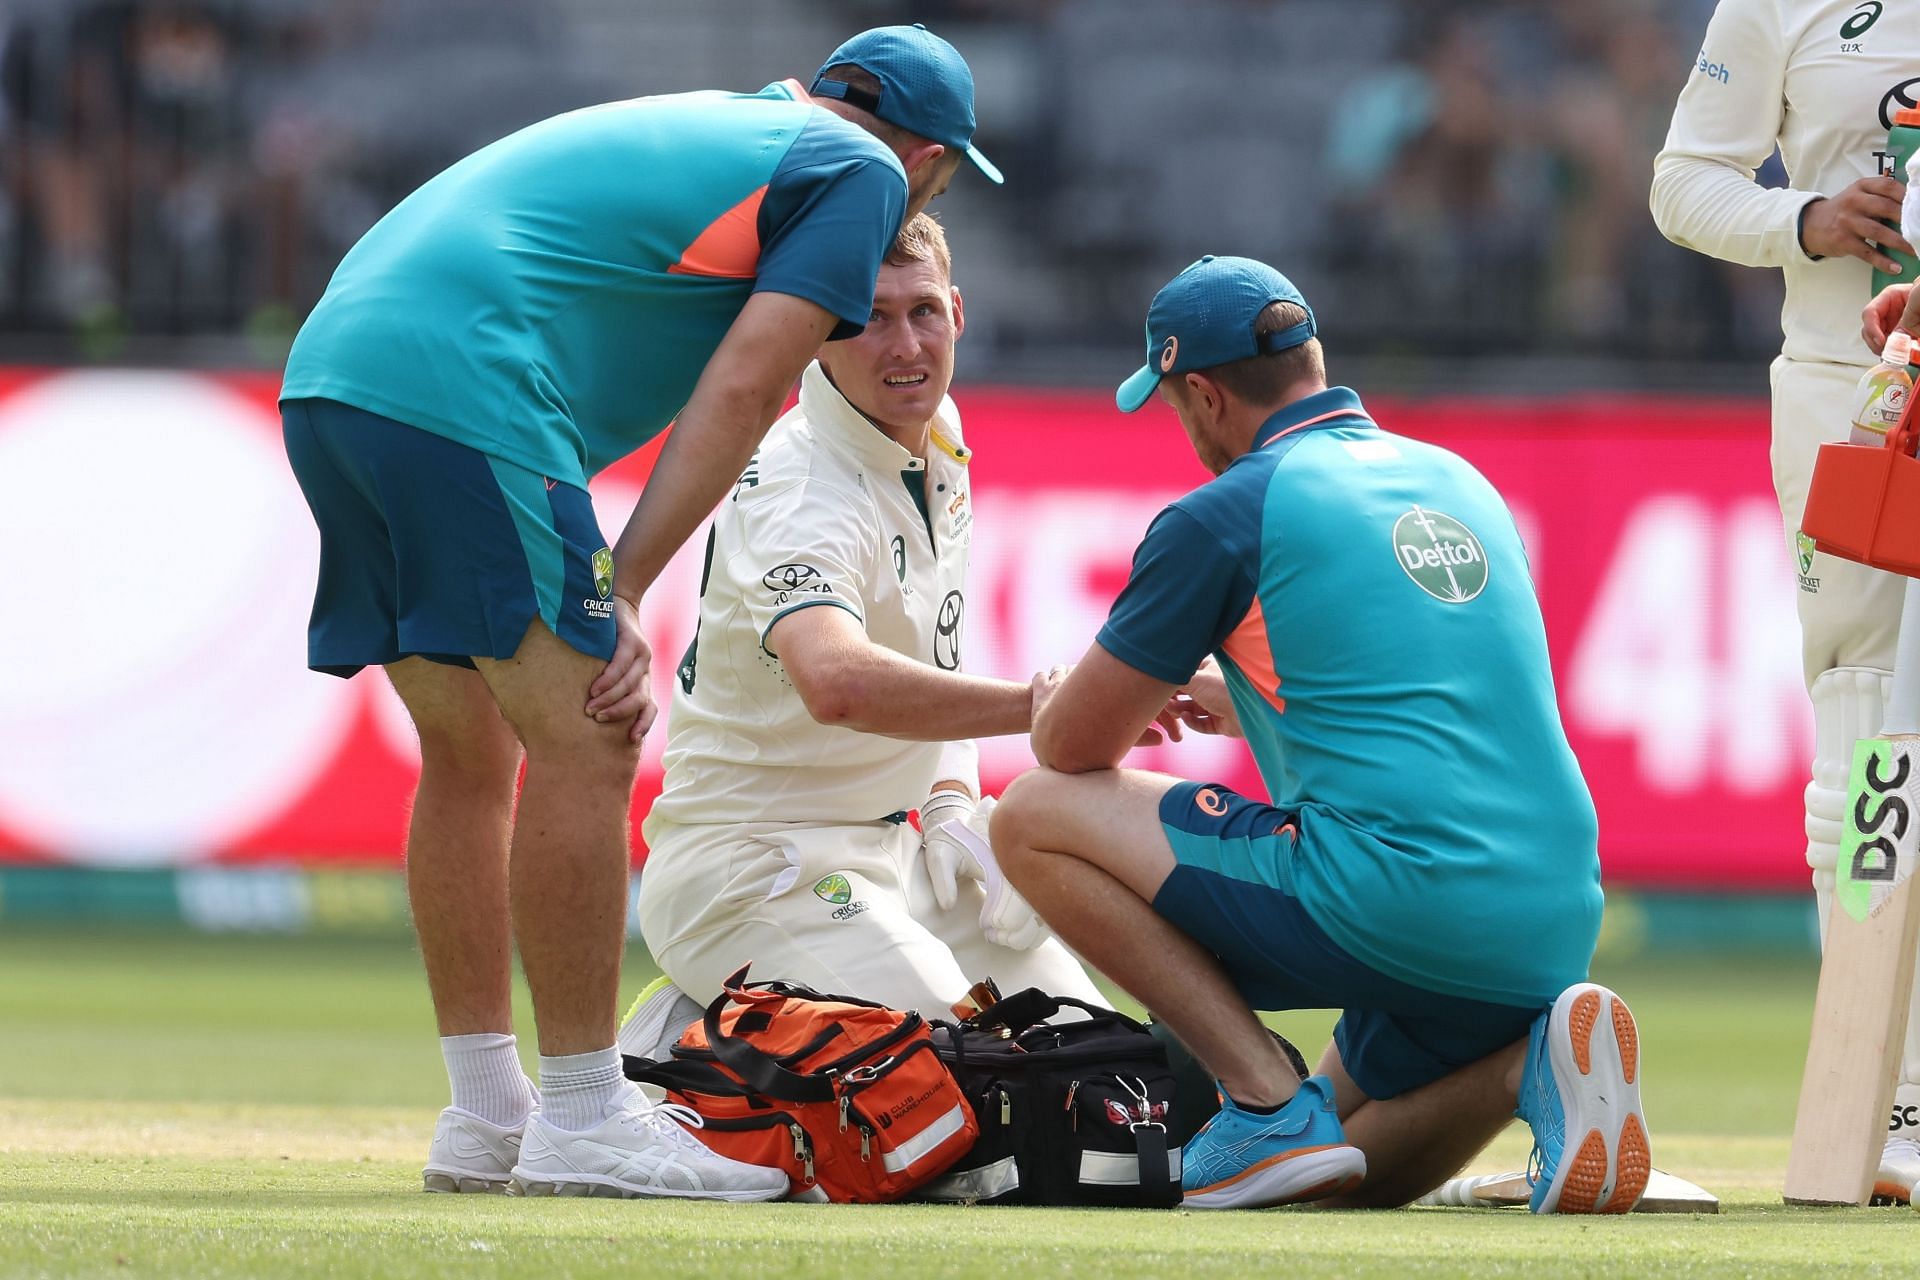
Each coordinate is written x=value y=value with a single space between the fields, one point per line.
x=823 y=698
x=539 y=310
x=1820 y=80
x=1429 y=864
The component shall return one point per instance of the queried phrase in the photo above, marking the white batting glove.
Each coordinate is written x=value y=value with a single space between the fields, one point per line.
x=946 y=858
x=1006 y=918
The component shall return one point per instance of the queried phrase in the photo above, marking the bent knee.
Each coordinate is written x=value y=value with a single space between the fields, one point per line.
x=1017 y=819
x=602 y=755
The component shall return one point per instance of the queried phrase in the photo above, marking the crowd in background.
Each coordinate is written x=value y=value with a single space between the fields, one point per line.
x=1443 y=178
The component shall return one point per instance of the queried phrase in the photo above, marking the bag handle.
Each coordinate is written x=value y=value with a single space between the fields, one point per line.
x=1030 y=1008
x=761 y=1072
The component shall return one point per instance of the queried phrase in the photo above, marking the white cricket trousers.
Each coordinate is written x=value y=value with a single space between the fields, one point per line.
x=844 y=909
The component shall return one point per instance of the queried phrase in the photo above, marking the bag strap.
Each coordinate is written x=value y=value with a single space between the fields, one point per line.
x=683 y=1076
x=761 y=1072
x=1150 y=1144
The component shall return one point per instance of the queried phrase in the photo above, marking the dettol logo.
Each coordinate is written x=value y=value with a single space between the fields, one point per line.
x=1441 y=555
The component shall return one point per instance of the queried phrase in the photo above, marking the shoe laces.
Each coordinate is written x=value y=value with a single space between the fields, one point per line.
x=1536 y=1164
x=668 y=1120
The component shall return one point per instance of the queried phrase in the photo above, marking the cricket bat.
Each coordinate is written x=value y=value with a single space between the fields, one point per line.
x=1866 y=973
x=1664 y=1194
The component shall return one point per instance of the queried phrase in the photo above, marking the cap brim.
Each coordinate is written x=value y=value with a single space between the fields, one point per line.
x=985 y=166
x=1138 y=389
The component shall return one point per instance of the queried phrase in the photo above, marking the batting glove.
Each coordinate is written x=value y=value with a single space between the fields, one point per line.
x=1005 y=918
x=946 y=858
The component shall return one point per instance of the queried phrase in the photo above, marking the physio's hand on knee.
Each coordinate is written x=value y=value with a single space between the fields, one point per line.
x=946 y=857
x=1897 y=304
x=623 y=692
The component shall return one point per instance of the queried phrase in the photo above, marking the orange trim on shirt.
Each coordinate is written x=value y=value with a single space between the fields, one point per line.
x=729 y=247
x=1250 y=651
x=1302 y=426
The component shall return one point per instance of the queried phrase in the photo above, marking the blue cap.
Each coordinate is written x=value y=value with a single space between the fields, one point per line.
x=925 y=86
x=1205 y=316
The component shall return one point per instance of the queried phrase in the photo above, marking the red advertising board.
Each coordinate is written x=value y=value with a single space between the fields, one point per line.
x=159 y=564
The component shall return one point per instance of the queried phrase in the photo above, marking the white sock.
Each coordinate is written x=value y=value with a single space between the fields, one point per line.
x=487 y=1078
x=576 y=1088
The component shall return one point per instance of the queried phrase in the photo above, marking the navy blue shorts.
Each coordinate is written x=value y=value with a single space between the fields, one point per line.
x=431 y=548
x=1392 y=1036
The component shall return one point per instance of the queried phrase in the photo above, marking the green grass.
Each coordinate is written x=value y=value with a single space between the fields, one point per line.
x=191 y=1106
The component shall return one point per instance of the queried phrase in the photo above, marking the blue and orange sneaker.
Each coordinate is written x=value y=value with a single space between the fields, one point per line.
x=1580 y=1094
x=1251 y=1160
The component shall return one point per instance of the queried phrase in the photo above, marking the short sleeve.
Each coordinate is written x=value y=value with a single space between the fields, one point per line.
x=1183 y=599
x=831 y=212
x=801 y=545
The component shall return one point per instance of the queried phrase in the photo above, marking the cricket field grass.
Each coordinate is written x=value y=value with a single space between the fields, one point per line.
x=181 y=1105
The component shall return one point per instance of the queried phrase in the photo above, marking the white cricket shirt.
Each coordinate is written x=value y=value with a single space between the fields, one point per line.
x=822 y=518
x=1822 y=79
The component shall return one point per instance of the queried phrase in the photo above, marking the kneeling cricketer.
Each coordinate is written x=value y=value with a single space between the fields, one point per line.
x=822 y=699
x=1357 y=606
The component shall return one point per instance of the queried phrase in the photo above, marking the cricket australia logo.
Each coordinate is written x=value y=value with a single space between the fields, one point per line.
x=837 y=889
x=601 y=609
x=603 y=572
x=1803 y=549
x=1441 y=555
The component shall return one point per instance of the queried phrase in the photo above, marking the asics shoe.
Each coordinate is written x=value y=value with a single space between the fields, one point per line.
x=1580 y=1094
x=469 y=1154
x=637 y=1149
x=1250 y=1160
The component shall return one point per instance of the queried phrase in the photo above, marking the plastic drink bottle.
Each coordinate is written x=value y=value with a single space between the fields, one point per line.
x=1883 y=393
x=1903 y=140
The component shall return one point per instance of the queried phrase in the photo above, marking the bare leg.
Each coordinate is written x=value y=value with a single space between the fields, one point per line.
x=1418 y=1140
x=568 y=874
x=1088 y=852
x=457 y=844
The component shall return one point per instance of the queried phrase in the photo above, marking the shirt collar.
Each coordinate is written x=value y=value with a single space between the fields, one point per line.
x=1334 y=407
x=836 y=421
x=788 y=88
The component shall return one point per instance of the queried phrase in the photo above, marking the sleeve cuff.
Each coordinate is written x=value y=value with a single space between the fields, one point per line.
x=1141 y=661
x=767 y=633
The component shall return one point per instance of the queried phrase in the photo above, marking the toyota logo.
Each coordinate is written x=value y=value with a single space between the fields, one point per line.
x=789 y=577
x=1904 y=94
x=946 y=632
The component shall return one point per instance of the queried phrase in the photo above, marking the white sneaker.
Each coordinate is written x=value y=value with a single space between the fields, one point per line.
x=469 y=1154
x=637 y=1150
x=1899 y=1170
x=656 y=1019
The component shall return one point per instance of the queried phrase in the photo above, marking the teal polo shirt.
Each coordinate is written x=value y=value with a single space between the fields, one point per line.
x=1369 y=600
x=551 y=299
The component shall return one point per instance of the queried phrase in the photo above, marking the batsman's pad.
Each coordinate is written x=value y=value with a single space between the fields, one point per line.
x=1849 y=703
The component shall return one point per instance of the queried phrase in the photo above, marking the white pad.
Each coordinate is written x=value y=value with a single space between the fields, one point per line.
x=1849 y=703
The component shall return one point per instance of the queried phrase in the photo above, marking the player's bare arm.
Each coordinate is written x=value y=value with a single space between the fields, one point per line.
x=1853 y=224
x=1898 y=305
x=738 y=396
x=845 y=679
x=1099 y=712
